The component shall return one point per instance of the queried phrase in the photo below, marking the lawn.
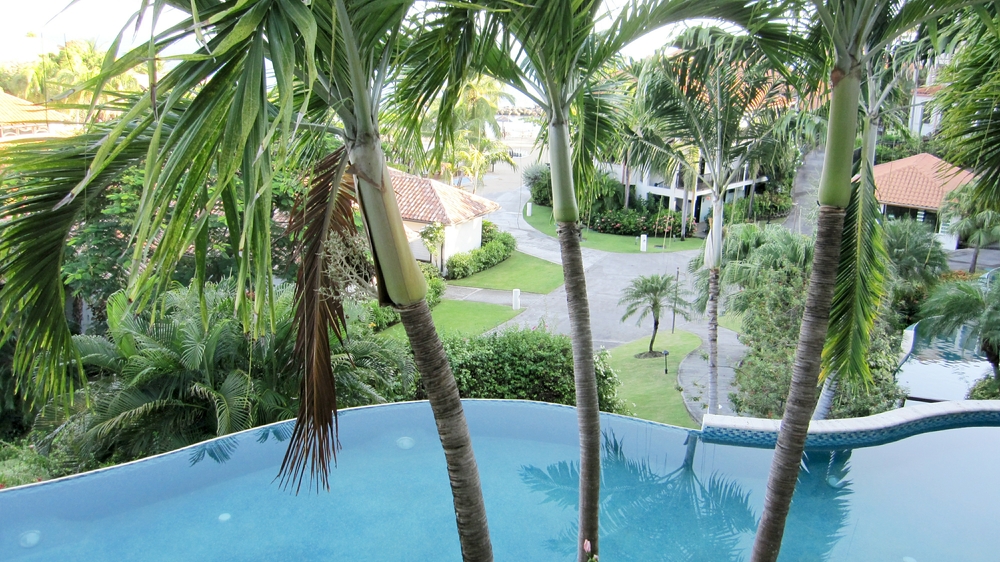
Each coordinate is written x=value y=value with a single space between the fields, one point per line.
x=462 y=317
x=732 y=321
x=519 y=271
x=541 y=219
x=654 y=395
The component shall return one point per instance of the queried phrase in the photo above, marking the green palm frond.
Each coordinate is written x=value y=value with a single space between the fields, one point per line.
x=861 y=278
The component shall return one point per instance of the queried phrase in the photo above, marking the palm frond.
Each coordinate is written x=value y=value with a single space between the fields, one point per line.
x=328 y=207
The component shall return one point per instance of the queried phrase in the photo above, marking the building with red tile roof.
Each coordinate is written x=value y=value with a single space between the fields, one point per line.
x=917 y=187
x=423 y=201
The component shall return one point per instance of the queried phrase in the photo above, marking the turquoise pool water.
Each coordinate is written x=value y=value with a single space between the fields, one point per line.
x=667 y=496
x=941 y=368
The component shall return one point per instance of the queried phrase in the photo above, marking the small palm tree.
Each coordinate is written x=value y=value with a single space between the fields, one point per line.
x=970 y=304
x=650 y=295
x=977 y=225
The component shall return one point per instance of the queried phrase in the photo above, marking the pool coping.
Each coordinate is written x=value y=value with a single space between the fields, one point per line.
x=852 y=433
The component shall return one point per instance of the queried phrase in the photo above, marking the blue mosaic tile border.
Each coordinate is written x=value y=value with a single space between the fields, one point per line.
x=854 y=438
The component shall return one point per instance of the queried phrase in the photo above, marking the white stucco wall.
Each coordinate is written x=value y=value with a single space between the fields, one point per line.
x=463 y=237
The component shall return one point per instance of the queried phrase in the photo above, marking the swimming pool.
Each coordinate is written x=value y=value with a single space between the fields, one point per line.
x=938 y=367
x=666 y=496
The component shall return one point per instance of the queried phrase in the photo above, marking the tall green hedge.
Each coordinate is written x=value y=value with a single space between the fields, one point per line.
x=500 y=247
x=525 y=364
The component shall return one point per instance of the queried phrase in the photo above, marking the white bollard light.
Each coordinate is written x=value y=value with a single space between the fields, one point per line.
x=517 y=299
x=642 y=243
x=529 y=208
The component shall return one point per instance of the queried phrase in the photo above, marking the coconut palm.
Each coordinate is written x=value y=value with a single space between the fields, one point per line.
x=330 y=62
x=977 y=225
x=721 y=95
x=858 y=32
x=548 y=50
x=971 y=304
x=649 y=295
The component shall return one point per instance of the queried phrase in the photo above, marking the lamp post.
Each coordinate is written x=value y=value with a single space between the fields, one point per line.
x=666 y=368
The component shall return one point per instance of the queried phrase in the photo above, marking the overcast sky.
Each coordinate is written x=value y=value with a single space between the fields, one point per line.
x=32 y=27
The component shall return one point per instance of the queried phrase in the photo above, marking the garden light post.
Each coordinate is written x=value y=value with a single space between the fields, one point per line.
x=666 y=368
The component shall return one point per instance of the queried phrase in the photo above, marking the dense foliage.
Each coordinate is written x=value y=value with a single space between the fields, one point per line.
x=525 y=364
x=538 y=178
x=632 y=222
x=190 y=373
x=766 y=206
x=917 y=261
x=501 y=246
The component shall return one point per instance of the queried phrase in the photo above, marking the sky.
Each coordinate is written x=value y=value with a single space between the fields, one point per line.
x=32 y=27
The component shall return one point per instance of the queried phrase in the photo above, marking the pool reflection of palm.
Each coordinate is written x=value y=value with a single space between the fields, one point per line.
x=648 y=516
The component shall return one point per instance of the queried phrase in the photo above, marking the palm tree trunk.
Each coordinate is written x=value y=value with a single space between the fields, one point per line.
x=975 y=259
x=834 y=196
x=826 y=397
x=713 y=340
x=401 y=284
x=567 y=216
x=442 y=392
x=656 y=326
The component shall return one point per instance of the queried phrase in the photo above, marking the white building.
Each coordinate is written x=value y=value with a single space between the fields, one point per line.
x=700 y=202
x=424 y=201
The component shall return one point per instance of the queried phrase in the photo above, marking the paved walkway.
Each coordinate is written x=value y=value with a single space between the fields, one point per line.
x=607 y=274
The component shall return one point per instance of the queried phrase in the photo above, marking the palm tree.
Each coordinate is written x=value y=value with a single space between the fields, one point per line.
x=978 y=226
x=968 y=102
x=721 y=96
x=916 y=262
x=213 y=112
x=649 y=295
x=548 y=50
x=969 y=304
x=858 y=31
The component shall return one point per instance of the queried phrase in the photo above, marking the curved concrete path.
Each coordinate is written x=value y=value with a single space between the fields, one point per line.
x=607 y=274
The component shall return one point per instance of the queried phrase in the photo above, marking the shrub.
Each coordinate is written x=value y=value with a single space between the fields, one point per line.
x=381 y=317
x=21 y=464
x=490 y=254
x=634 y=222
x=538 y=178
x=766 y=206
x=435 y=284
x=490 y=231
x=525 y=364
x=986 y=388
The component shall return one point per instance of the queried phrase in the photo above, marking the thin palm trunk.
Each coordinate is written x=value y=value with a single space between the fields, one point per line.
x=588 y=411
x=402 y=284
x=713 y=340
x=656 y=327
x=442 y=392
x=826 y=397
x=834 y=195
x=975 y=259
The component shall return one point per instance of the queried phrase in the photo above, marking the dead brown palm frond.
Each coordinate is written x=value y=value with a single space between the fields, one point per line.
x=328 y=208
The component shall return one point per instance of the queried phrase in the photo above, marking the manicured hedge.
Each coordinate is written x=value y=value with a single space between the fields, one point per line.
x=500 y=247
x=632 y=222
x=538 y=178
x=525 y=364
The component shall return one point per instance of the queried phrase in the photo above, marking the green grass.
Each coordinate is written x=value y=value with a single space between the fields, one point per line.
x=462 y=317
x=654 y=395
x=733 y=322
x=541 y=220
x=519 y=271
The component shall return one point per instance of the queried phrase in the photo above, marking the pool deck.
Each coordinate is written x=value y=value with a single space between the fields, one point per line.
x=856 y=432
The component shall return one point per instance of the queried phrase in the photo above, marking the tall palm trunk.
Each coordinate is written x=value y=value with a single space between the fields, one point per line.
x=975 y=259
x=713 y=259
x=713 y=340
x=567 y=216
x=834 y=196
x=656 y=327
x=826 y=397
x=442 y=392
x=401 y=284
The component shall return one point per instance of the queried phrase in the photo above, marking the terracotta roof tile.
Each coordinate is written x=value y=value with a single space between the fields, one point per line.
x=918 y=182
x=426 y=200
x=14 y=110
